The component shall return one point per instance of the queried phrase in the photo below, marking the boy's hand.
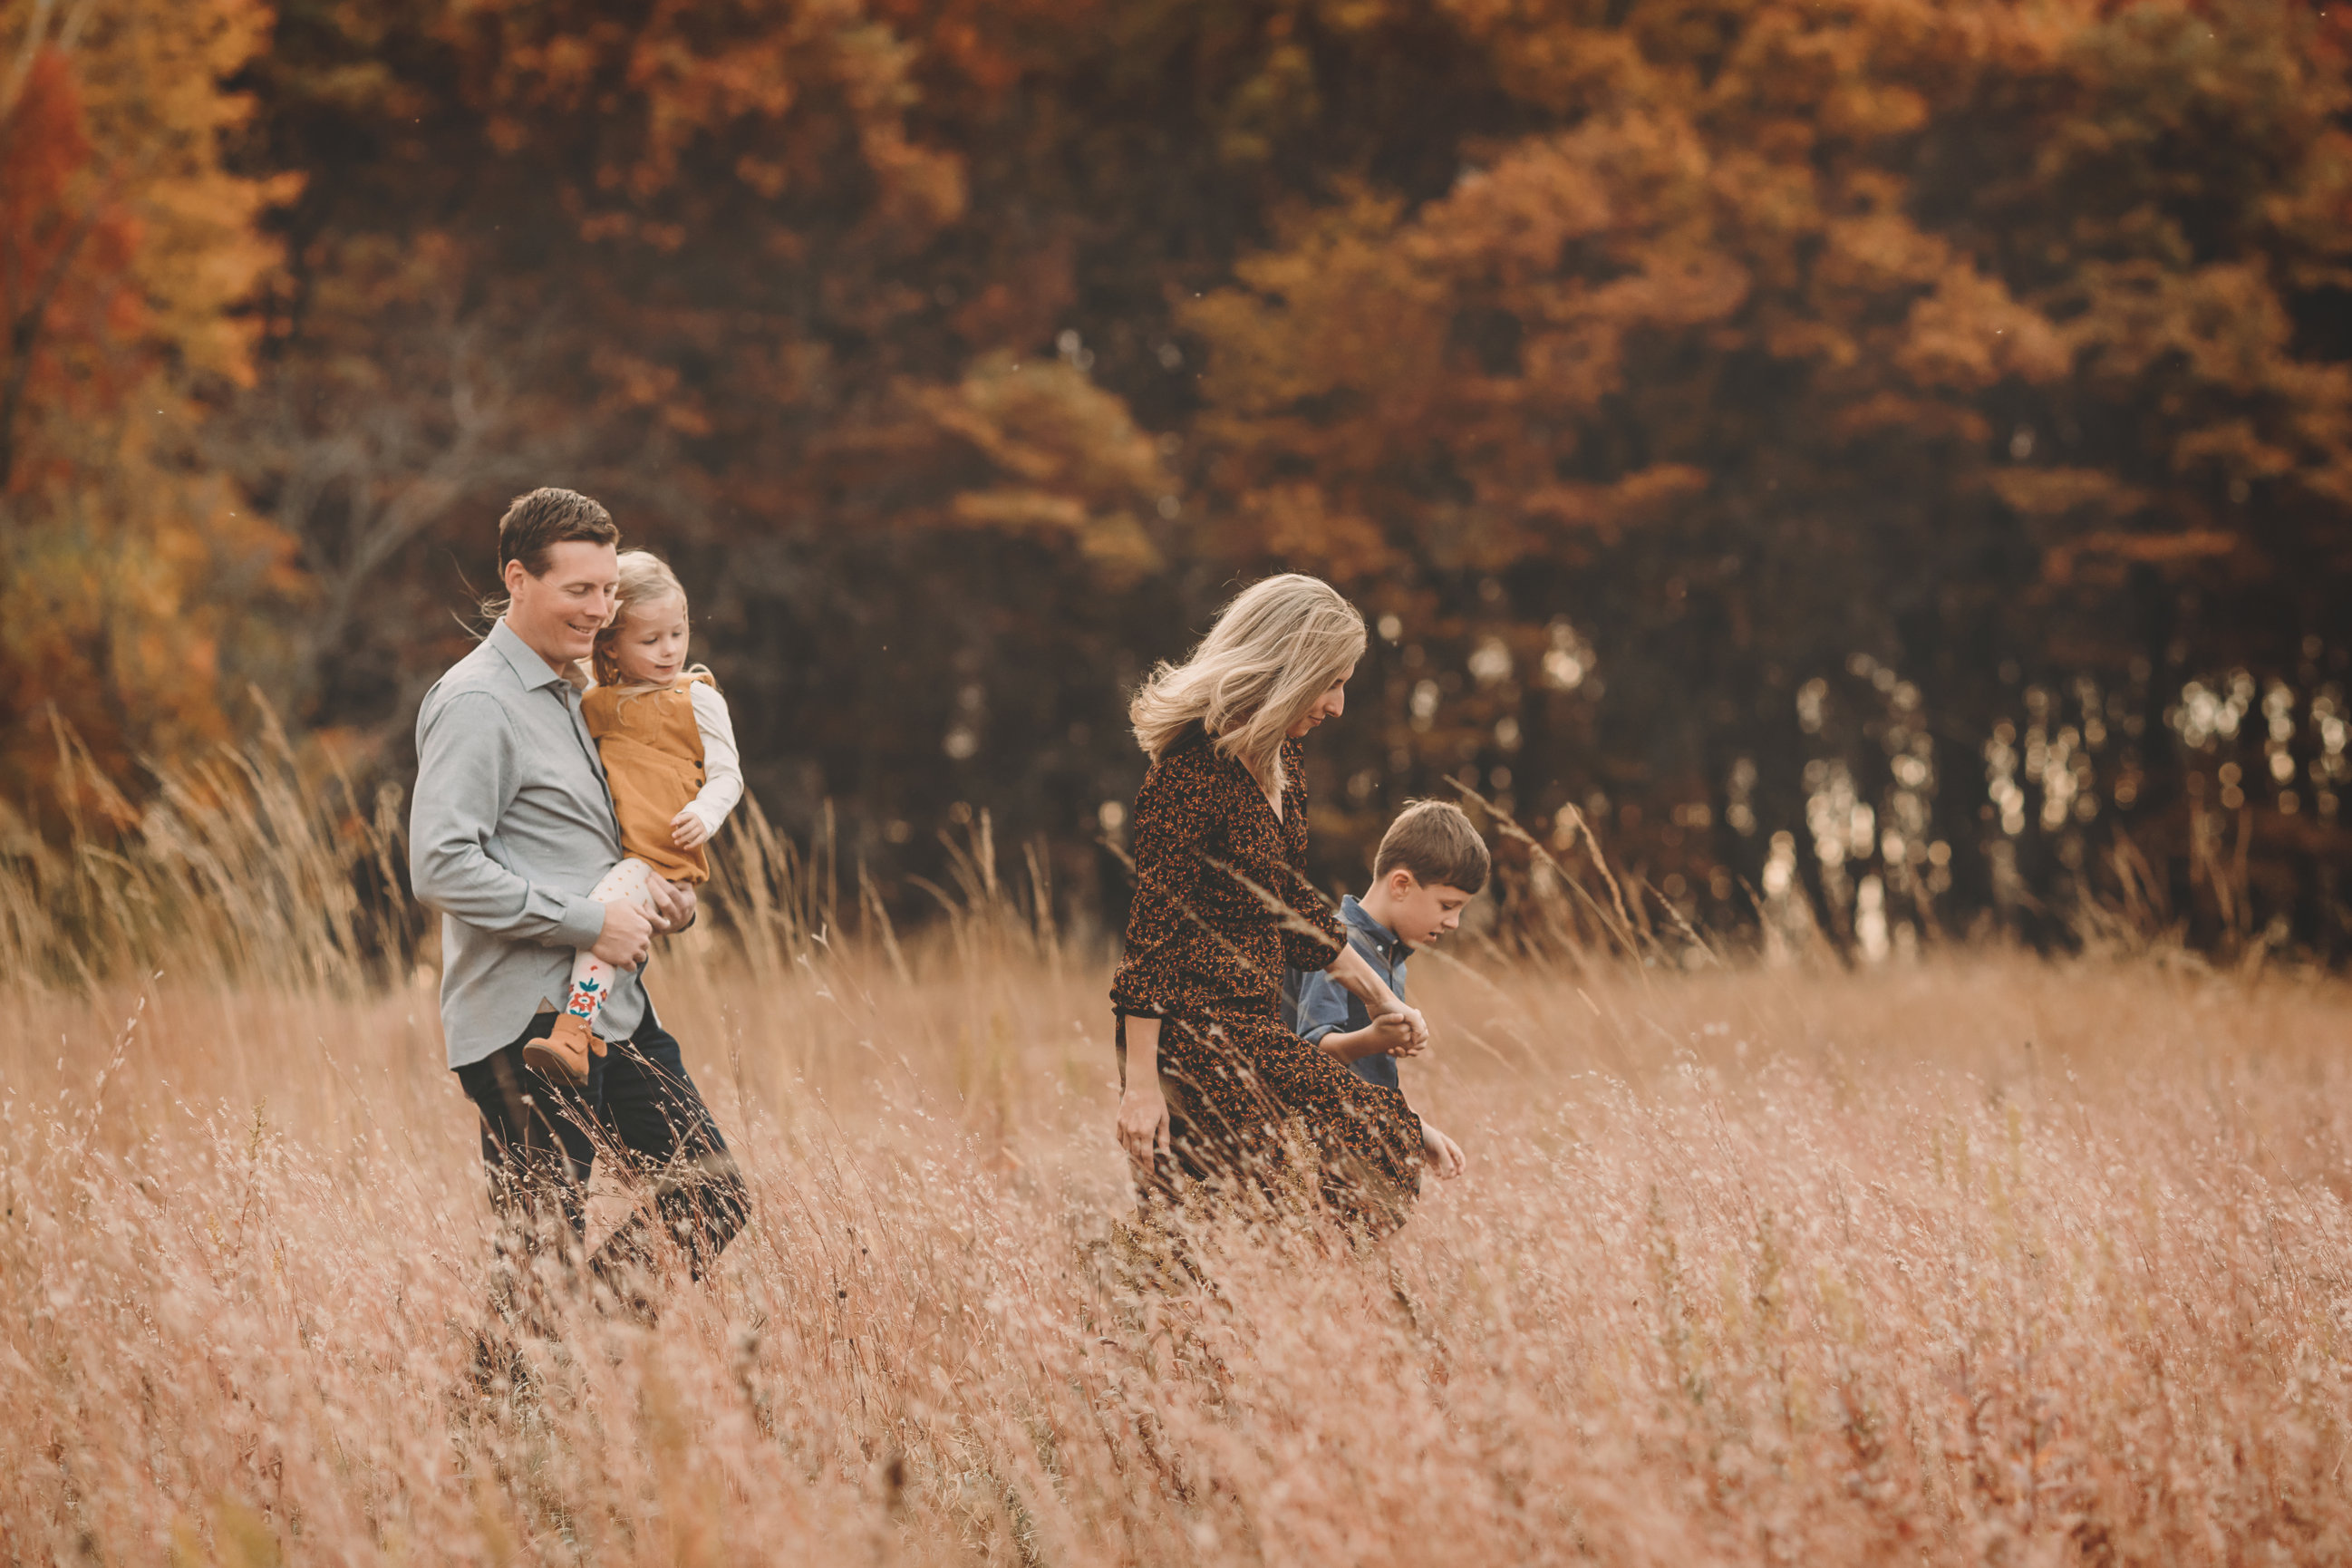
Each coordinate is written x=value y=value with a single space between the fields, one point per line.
x=1390 y=1035
x=687 y=830
x=1409 y=1023
x=1439 y=1153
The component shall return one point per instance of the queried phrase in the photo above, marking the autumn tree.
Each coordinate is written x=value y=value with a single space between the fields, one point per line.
x=126 y=254
x=1854 y=378
x=1887 y=455
x=698 y=261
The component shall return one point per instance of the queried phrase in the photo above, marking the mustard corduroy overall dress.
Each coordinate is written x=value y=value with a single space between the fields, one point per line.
x=651 y=749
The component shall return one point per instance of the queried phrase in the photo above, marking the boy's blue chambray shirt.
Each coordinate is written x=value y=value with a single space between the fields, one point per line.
x=511 y=828
x=1323 y=1005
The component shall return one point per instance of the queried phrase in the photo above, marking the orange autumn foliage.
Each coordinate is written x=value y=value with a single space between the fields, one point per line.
x=1647 y=363
x=1851 y=227
x=1928 y=339
x=126 y=250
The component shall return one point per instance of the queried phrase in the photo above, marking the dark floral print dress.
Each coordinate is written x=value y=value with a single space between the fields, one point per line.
x=1222 y=905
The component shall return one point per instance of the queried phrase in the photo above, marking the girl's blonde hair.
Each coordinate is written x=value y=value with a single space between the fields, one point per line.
x=1272 y=651
x=645 y=579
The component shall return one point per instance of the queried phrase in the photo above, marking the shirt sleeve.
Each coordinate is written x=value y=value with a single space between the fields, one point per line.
x=722 y=763
x=1322 y=1007
x=467 y=772
x=1172 y=822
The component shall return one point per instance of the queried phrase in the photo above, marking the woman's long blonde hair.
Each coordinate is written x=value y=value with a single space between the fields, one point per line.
x=645 y=579
x=1272 y=651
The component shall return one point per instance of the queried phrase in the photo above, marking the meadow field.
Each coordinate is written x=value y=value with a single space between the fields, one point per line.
x=1976 y=1259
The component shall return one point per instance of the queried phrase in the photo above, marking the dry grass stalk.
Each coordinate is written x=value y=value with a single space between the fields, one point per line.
x=1984 y=1260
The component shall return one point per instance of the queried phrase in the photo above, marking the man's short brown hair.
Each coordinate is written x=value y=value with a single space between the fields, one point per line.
x=536 y=524
x=1434 y=841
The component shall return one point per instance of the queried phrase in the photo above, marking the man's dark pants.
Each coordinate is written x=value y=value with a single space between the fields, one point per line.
x=540 y=1141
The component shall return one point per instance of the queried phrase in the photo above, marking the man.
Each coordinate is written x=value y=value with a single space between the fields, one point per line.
x=511 y=826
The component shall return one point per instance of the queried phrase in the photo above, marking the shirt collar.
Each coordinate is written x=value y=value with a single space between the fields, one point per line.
x=1383 y=938
x=529 y=668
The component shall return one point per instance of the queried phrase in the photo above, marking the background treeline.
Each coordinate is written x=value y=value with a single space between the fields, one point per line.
x=1882 y=464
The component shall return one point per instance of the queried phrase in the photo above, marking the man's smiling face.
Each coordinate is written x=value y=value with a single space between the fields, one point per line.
x=559 y=612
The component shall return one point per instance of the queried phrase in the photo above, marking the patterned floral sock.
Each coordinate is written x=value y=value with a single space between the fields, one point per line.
x=592 y=977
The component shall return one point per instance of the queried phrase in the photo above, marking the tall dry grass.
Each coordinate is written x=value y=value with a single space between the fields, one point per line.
x=1982 y=1260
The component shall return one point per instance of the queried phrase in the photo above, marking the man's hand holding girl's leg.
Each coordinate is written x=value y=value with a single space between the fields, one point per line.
x=673 y=903
x=628 y=937
x=636 y=913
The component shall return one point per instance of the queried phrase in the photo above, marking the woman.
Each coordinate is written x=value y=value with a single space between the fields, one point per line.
x=1214 y=1085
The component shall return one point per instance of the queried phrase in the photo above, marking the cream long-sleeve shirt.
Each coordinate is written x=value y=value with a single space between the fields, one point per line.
x=722 y=763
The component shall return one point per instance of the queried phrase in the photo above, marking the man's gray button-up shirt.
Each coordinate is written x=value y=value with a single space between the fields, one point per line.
x=513 y=827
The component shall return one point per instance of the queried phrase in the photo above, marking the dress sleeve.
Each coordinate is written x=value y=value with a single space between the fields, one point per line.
x=1173 y=819
x=1302 y=949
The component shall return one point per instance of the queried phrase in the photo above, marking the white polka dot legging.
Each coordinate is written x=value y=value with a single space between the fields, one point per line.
x=592 y=977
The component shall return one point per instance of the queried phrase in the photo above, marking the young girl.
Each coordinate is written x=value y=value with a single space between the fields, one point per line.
x=670 y=760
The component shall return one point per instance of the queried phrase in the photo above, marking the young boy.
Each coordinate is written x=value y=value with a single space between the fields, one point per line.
x=1431 y=863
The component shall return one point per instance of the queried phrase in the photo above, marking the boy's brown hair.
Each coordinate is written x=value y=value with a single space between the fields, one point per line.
x=1434 y=841
x=536 y=524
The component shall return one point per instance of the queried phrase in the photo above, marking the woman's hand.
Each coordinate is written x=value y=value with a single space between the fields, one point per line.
x=1390 y=1035
x=1142 y=1108
x=1439 y=1153
x=1403 y=1032
x=1358 y=977
x=1143 y=1120
x=687 y=830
